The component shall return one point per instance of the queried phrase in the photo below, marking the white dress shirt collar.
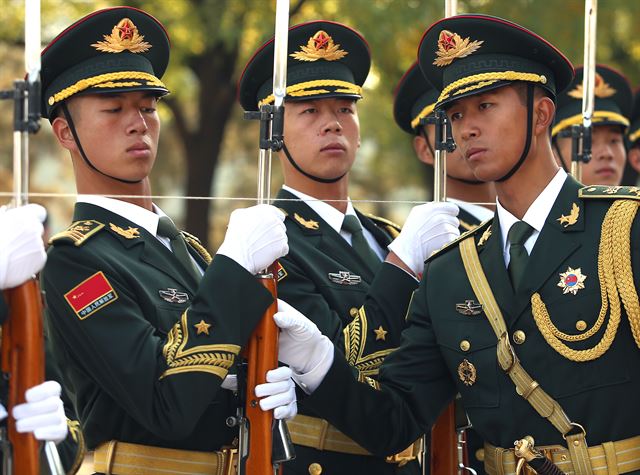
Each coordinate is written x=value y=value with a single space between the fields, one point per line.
x=535 y=216
x=142 y=217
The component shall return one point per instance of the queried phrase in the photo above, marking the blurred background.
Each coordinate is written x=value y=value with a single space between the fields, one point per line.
x=208 y=150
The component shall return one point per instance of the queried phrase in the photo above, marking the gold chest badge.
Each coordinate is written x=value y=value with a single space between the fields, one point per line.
x=571 y=281
x=467 y=372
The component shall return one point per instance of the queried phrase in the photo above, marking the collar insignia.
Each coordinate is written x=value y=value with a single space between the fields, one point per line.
x=173 y=296
x=309 y=224
x=124 y=37
x=451 y=46
x=467 y=372
x=571 y=281
x=344 y=277
x=130 y=233
x=485 y=235
x=320 y=46
x=601 y=90
x=571 y=218
x=469 y=307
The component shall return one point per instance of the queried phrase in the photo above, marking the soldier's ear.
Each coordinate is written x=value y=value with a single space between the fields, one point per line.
x=543 y=112
x=634 y=158
x=422 y=150
x=62 y=132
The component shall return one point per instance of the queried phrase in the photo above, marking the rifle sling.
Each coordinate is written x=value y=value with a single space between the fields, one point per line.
x=525 y=385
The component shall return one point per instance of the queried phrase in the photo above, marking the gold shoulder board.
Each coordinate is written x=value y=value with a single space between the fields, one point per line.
x=78 y=233
x=610 y=192
x=455 y=242
x=392 y=228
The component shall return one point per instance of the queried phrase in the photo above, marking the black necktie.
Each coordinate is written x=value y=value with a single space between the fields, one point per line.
x=351 y=224
x=518 y=255
x=167 y=229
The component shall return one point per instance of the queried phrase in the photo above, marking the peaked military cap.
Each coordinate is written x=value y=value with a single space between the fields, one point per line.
x=612 y=104
x=116 y=49
x=325 y=59
x=414 y=99
x=465 y=55
x=633 y=133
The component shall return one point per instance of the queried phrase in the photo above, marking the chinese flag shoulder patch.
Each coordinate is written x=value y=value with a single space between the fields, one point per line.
x=91 y=295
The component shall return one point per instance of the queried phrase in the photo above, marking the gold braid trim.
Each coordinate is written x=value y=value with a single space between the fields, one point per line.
x=634 y=136
x=355 y=340
x=616 y=280
x=492 y=77
x=598 y=116
x=95 y=81
x=423 y=113
x=197 y=245
x=78 y=438
x=300 y=89
x=214 y=359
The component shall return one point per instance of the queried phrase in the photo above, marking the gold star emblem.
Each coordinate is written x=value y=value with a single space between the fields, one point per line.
x=381 y=333
x=572 y=280
x=485 y=235
x=571 y=218
x=202 y=327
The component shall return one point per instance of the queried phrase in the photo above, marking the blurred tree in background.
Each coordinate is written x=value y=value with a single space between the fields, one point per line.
x=207 y=150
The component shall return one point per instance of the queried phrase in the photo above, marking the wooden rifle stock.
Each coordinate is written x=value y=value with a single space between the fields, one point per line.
x=444 y=459
x=262 y=356
x=23 y=362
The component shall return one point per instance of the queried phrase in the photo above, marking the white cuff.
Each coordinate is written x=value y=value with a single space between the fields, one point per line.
x=310 y=380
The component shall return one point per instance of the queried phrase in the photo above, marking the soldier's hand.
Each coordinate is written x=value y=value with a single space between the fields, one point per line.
x=301 y=346
x=428 y=227
x=255 y=237
x=43 y=413
x=21 y=248
x=278 y=393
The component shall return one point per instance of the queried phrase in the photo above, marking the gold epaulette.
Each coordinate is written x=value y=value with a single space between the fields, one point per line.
x=197 y=245
x=392 y=228
x=457 y=241
x=78 y=233
x=610 y=192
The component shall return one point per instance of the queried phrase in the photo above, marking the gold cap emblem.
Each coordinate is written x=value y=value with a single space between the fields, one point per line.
x=320 y=46
x=451 y=46
x=124 y=37
x=601 y=89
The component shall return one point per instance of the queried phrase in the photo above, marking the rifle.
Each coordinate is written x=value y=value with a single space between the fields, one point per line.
x=22 y=334
x=581 y=134
x=265 y=443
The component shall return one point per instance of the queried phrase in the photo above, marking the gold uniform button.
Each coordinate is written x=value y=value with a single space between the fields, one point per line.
x=465 y=345
x=519 y=337
x=315 y=469
x=480 y=455
x=581 y=325
x=353 y=311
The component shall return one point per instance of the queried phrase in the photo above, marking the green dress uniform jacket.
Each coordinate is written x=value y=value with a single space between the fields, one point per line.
x=142 y=347
x=418 y=379
x=326 y=280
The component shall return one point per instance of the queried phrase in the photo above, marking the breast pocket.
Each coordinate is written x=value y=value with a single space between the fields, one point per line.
x=469 y=348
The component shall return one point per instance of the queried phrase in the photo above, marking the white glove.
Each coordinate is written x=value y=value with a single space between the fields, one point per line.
x=427 y=228
x=302 y=347
x=281 y=393
x=21 y=247
x=43 y=413
x=255 y=237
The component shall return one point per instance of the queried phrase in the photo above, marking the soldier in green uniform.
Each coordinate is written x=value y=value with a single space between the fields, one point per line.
x=334 y=271
x=144 y=324
x=22 y=255
x=413 y=106
x=630 y=176
x=611 y=113
x=534 y=317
